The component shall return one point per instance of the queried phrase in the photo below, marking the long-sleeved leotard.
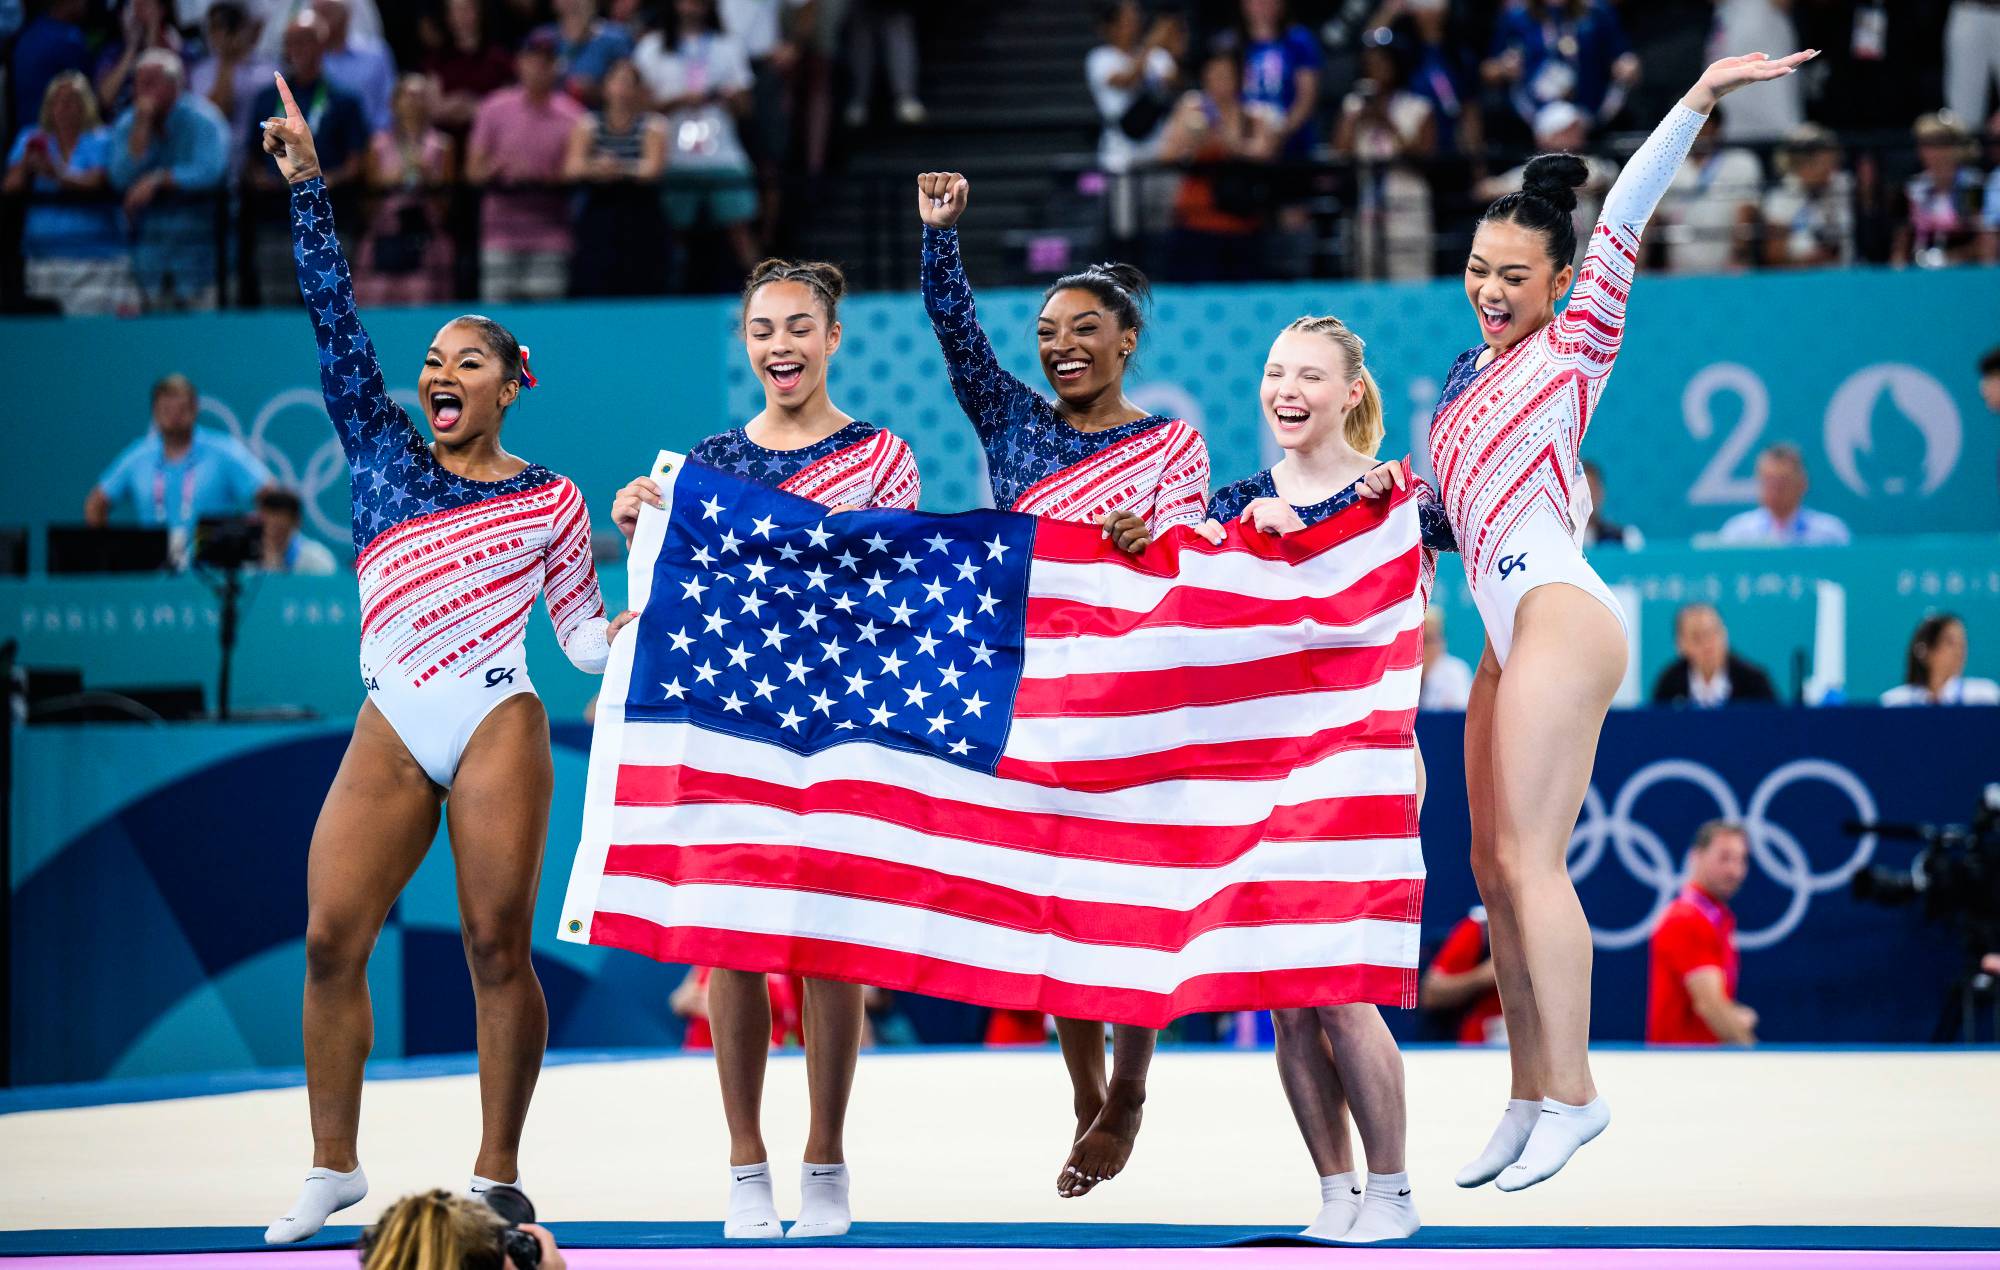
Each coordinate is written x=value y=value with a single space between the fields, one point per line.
x=1039 y=463
x=449 y=567
x=1505 y=437
x=859 y=466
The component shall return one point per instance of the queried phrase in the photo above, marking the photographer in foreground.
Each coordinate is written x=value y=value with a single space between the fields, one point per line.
x=437 y=1230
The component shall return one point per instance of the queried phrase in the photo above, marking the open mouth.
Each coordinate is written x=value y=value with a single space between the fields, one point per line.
x=1071 y=369
x=785 y=375
x=1291 y=417
x=1492 y=320
x=446 y=407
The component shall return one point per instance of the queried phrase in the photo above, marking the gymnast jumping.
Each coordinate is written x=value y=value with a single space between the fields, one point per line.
x=804 y=444
x=1092 y=456
x=454 y=538
x=1504 y=444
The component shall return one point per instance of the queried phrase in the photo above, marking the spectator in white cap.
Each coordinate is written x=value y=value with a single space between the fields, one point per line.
x=1561 y=127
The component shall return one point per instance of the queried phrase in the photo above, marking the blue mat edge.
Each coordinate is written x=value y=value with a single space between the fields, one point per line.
x=697 y=1235
x=131 y=1089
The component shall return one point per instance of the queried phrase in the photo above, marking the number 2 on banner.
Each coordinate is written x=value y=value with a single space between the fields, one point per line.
x=1718 y=482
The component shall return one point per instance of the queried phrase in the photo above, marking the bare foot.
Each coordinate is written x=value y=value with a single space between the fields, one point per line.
x=1070 y=1183
x=1101 y=1152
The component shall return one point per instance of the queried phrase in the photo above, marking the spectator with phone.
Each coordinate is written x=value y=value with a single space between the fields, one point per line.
x=75 y=251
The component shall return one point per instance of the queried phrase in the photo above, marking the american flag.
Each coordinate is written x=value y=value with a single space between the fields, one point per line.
x=990 y=758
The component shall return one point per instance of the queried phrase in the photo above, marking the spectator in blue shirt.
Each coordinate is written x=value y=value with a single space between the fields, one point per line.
x=48 y=46
x=1443 y=75
x=167 y=152
x=178 y=473
x=1281 y=69
x=1781 y=518
x=586 y=47
x=362 y=67
x=1562 y=50
x=75 y=252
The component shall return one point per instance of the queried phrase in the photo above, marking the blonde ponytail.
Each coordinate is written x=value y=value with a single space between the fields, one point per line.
x=1364 y=428
x=435 y=1230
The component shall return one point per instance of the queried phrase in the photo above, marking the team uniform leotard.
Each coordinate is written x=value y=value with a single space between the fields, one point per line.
x=449 y=567
x=1505 y=437
x=1040 y=463
x=859 y=466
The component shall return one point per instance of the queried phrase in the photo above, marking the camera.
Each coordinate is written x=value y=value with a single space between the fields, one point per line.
x=515 y=1208
x=1956 y=876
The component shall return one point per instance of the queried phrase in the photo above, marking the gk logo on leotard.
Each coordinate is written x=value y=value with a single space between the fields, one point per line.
x=499 y=675
x=1508 y=564
x=1617 y=833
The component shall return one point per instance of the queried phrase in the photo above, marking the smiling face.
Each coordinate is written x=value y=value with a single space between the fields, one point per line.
x=1083 y=346
x=789 y=342
x=1307 y=391
x=1511 y=283
x=464 y=387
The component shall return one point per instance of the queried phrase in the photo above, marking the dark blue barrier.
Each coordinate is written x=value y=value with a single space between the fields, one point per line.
x=159 y=887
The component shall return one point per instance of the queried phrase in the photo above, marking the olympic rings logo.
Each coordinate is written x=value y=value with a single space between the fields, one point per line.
x=1773 y=848
x=325 y=467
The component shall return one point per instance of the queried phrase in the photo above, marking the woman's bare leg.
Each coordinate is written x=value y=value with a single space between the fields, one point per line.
x=498 y=814
x=378 y=820
x=1371 y=1074
x=833 y=1019
x=1105 y=1147
x=1313 y=1089
x=1082 y=1044
x=739 y=1018
x=1567 y=660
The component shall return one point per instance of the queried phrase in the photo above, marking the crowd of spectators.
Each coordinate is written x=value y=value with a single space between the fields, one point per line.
x=132 y=135
x=1415 y=113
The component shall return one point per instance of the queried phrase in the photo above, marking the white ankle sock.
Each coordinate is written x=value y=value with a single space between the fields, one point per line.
x=1387 y=1211
x=823 y=1210
x=1504 y=1147
x=324 y=1194
x=753 y=1214
x=1559 y=1130
x=480 y=1185
x=1339 y=1201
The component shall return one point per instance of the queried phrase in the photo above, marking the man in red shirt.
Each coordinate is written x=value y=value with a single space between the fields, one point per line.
x=1692 y=994
x=1461 y=981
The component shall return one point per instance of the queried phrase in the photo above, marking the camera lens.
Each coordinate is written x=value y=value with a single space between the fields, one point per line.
x=510 y=1203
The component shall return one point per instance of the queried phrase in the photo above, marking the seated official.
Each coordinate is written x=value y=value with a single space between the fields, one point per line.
x=1692 y=979
x=177 y=473
x=1461 y=983
x=1706 y=674
x=285 y=549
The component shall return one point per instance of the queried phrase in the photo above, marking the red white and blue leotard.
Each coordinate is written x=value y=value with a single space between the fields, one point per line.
x=1505 y=437
x=1038 y=461
x=449 y=567
x=859 y=466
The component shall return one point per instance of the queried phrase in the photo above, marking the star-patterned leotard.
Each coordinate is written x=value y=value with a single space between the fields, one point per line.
x=1039 y=462
x=859 y=466
x=1230 y=501
x=1505 y=437
x=449 y=567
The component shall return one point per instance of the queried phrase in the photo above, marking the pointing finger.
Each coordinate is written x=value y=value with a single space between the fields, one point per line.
x=292 y=112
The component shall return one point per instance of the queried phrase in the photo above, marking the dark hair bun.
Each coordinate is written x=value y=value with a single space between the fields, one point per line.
x=1128 y=278
x=1555 y=178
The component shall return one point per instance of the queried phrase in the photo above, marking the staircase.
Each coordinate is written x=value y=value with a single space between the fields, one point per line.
x=1003 y=81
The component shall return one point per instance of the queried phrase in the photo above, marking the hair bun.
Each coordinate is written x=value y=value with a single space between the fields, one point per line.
x=1128 y=278
x=1555 y=178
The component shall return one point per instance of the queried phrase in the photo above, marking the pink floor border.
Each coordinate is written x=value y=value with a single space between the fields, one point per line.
x=1096 y=1259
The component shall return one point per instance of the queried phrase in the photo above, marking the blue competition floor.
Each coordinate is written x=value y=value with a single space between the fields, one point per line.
x=220 y=1239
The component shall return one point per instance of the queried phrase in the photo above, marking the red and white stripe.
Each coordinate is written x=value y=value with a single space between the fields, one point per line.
x=878 y=472
x=1206 y=801
x=1508 y=446
x=448 y=592
x=1161 y=474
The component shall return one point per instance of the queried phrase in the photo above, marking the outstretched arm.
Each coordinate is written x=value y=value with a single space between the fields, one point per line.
x=1595 y=316
x=350 y=377
x=989 y=395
